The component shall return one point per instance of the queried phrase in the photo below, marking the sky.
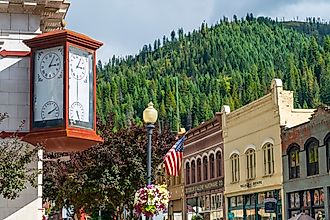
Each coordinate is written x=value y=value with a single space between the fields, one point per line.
x=124 y=26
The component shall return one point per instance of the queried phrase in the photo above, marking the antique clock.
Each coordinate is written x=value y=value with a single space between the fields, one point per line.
x=63 y=89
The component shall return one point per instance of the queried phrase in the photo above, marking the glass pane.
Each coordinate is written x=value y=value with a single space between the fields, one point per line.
x=321 y=197
x=316 y=198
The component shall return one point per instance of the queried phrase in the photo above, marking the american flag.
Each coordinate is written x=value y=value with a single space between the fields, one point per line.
x=173 y=158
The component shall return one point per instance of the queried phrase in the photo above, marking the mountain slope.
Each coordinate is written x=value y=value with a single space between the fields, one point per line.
x=228 y=63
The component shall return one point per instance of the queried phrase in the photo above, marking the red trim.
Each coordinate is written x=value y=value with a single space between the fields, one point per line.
x=6 y=53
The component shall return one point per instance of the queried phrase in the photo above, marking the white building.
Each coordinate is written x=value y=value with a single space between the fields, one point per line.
x=20 y=20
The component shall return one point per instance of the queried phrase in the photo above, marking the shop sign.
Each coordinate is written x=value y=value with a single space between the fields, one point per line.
x=207 y=186
x=270 y=205
x=249 y=185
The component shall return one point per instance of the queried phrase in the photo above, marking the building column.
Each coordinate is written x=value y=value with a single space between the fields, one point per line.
x=303 y=164
x=326 y=202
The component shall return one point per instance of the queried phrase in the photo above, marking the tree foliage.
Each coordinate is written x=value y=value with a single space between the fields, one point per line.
x=107 y=175
x=228 y=63
x=17 y=164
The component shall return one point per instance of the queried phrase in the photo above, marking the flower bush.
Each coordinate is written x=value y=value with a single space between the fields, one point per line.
x=151 y=200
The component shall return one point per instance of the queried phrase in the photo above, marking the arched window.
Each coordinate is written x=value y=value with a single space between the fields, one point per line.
x=193 y=172
x=234 y=168
x=211 y=166
x=268 y=150
x=205 y=167
x=294 y=165
x=218 y=161
x=199 y=170
x=312 y=151
x=327 y=144
x=187 y=173
x=251 y=164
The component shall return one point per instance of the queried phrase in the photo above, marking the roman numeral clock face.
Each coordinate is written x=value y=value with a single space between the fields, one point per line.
x=48 y=87
x=80 y=88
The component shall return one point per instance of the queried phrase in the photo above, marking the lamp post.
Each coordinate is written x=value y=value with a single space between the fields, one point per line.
x=150 y=115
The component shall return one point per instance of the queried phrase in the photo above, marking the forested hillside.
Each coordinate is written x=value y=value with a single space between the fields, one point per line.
x=229 y=63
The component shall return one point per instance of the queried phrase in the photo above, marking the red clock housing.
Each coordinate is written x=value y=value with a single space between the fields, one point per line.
x=63 y=91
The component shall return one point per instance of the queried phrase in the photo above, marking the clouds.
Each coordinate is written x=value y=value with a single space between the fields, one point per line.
x=126 y=25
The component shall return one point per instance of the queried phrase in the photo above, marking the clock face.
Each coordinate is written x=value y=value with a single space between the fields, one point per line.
x=50 y=65
x=50 y=110
x=78 y=66
x=81 y=79
x=76 y=111
x=48 y=87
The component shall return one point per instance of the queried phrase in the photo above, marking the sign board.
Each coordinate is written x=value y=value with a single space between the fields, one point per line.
x=206 y=186
x=270 y=205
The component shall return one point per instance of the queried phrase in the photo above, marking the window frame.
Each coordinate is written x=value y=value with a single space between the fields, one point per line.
x=199 y=170
x=294 y=171
x=251 y=163
x=212 y=166
x=218 y=163
x=268 y=152
x=187 y=173
x=205 y=167
x=327 y=145
x=313 y=167
x=193 y=171
x=235 y=169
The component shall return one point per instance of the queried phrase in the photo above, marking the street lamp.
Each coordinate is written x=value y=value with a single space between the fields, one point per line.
x=149 y=117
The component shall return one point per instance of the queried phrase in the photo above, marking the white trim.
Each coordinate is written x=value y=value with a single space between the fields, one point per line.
x=250 y=146
x=234 y=152
x=268 y=140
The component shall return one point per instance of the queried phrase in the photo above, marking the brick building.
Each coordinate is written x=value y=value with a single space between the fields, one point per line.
x=306 y=166
x=203 y=167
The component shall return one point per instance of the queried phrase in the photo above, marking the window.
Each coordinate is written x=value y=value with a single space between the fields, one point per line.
x=211 y=166
x=327 y=144
x=251 y=164
x=294 y=168
x=193 y=172
x=268 y=159
x=312 y=157
x=235 y=168
x=218 y=159
x=187 y=173
x=199 y=170
x=205 y=168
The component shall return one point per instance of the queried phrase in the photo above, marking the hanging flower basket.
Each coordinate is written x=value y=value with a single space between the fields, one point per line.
x=151 y=200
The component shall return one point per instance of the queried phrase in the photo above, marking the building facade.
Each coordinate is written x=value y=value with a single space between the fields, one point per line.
x=252 y=154
x=306 y=166
x=203 y=170
x=20 y=20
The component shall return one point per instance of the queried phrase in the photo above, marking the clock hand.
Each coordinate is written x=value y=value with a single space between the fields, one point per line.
x=78 y=64
x=51 y=62
x=50 y=112
x=78 y=115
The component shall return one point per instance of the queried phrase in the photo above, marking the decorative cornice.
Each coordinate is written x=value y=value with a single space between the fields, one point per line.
x=62 y=36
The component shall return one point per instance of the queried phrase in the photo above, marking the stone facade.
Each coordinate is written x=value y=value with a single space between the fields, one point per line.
x=252 y=154
x=20 y=20
x=306 y=166
x=203 y=168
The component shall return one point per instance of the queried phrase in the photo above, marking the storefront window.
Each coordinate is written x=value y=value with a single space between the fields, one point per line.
x=310 y=202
